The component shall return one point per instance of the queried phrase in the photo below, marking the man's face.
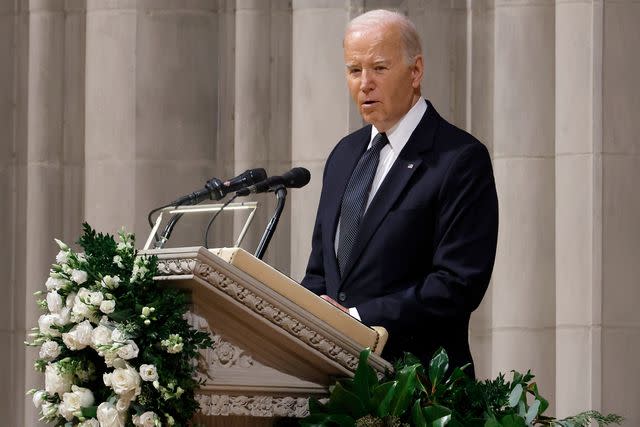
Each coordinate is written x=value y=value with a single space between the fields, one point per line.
x=381 y=82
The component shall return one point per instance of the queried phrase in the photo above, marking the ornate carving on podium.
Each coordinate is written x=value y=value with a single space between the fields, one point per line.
x=256 y=406
x=260 y=306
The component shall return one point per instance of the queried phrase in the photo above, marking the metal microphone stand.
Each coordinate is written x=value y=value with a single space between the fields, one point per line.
x=281 y=196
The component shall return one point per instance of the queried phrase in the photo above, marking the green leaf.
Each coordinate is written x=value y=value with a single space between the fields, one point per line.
x=345 y=402
x=512 y=421
x=492 y=422
x=365 y=378
x=438 y=366
x=328 y=420
x=382 y=397
x=435 y=412
x=417 y=417
x=532 y=412
x=544 y=404
x=89 y=411
x=515 y=396
x=404 y=390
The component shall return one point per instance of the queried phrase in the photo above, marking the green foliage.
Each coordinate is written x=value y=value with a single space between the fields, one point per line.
x=413 y=396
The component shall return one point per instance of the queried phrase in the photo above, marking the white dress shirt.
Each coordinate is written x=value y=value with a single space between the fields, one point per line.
x=398 y=136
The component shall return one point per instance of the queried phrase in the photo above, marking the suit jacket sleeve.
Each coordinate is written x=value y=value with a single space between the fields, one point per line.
x=465 y=240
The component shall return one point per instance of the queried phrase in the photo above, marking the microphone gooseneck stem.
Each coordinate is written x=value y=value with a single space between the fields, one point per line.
x=166 y=233
x=281 y=196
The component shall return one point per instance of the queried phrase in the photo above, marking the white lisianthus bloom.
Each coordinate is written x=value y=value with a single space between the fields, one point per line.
x=96 y=298
x=75 y=400
x=49 y=350
x=101 y=335
x=63 y=317
x=79 y=276
x=110 y=358
x=39 y=398
x=62 y=257
x=55 y=382
x=124 y=246
x=110 y=282
x=108 y=415
x=108 y=306
x=53 y=284
x=79 y=336
x=81 y=309
x=54 y=302
x=147 y=419
x=117 y=260
x=148 y=373
x=91 y=422
x=46 y=323
x=70 y=300
x=129 y=350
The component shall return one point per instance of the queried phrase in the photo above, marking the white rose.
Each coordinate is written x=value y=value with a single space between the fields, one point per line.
x=129 y=350
x=119 y=335
x=110 y=282
x=55 y=382
x=46 y=323
x=79 y=336
x=38 y=398
x=62 y=257
x=101 y=335
x=125 y=380
x=148 y=419
x=108 y=415
x=49 y=350
x=91 y=422
x=148 y=373
x=79 y=276
x=53 y=284
x=108 y=306
x=95 y=298
x=54 y=302
x=72 y=402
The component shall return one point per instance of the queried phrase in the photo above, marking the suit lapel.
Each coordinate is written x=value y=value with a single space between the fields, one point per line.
x=407 y=163
x=345 y=162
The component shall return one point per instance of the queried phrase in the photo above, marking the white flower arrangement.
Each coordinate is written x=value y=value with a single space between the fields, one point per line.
x=114 y=347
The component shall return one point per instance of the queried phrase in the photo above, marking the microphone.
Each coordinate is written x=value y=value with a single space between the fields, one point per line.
x=216 y=189
x=295 y=178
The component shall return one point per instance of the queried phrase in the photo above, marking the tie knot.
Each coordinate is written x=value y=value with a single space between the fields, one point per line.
x=379 y=141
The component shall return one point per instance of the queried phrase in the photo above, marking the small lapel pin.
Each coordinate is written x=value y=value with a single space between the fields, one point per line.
x=410 y=166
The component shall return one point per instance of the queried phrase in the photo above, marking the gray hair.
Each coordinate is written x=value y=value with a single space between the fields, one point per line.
x=408 y=33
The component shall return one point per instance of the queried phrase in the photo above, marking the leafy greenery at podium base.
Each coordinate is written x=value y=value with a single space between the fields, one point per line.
x=413 y=396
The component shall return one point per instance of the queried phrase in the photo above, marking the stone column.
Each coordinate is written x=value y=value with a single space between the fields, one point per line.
x=320 y=107
x=578 y=205
x=479 y=121
x=443 y=30
x=151 y=110
x=620 y=208
x=263 y=109
x=524 y=276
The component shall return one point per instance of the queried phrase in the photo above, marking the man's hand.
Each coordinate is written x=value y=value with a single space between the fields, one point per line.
x=334 y=303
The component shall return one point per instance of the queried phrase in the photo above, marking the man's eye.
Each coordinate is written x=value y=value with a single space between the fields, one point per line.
x=380 y=68
x=354 y=71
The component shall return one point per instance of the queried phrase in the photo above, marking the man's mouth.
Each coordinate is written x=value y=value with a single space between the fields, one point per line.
x=369 y=102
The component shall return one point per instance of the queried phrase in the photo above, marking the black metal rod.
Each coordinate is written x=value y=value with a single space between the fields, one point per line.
x=281 y=196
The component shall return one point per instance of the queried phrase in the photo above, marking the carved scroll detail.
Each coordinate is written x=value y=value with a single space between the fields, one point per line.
x=255 y=406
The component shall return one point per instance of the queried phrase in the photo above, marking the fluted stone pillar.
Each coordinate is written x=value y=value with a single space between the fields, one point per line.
x=523 y=312
x=479 y=121
x=321 y=112
x=578 y=205
x=263 y=110
x=443 y=29
x=151 y=109
x=620 y=209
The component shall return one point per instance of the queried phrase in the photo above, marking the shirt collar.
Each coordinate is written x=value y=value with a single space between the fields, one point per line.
x=400 y=133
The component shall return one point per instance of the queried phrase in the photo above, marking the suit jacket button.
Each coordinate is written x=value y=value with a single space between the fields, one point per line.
x=342 y=297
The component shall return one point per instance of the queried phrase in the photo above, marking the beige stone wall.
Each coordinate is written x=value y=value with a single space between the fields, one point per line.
x=111 y=107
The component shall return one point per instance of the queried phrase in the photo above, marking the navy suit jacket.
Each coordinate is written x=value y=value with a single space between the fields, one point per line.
x=423 y=259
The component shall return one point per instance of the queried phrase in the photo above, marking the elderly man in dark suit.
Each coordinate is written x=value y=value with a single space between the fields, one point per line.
x=406 y=229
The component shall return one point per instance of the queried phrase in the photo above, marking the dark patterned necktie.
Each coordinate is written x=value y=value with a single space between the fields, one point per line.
x=355 y=199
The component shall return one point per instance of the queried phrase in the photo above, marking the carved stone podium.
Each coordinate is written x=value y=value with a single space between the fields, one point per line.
x=275 y=344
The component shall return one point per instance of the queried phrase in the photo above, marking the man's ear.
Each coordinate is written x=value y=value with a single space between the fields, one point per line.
x=417 y=71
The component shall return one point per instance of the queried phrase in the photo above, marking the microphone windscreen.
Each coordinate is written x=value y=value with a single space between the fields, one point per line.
x=296 y=177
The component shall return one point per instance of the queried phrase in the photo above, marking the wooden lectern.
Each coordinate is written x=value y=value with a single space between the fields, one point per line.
x=275 y=343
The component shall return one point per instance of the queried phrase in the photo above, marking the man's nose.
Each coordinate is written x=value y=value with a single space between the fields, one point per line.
x=366 y=81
